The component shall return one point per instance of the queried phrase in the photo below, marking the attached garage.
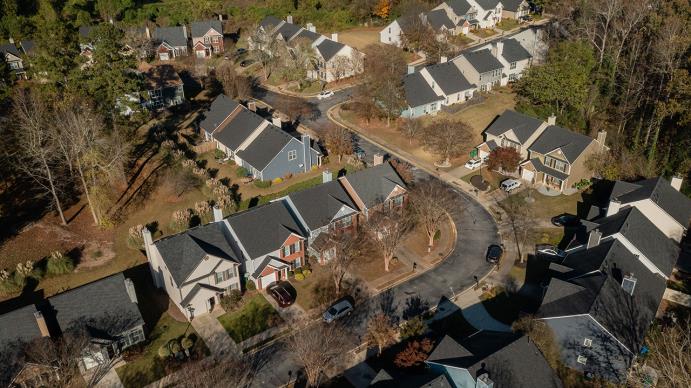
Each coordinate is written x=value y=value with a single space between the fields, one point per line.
x=527 y=175
x=271 y=270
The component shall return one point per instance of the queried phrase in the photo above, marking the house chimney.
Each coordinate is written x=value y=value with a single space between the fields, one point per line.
x=334 y=36
x=311 y=27
x=601 y=137
x=411 y=69
x=497 y=49
x=220 y=17
x=148 y=241
x=184 y=31
x=252 y=106
x=676 y=182
x=129 y=286
x=147 y=31
x=613 y=207
x=11 y=40
x=218 y=214
x=276 y=120
x=378 y=159
x=552 y=120
x=289 y=19
x=593 y=238
x=443 y=59
x=41 y=322
x=307 y=151
x=326 y=176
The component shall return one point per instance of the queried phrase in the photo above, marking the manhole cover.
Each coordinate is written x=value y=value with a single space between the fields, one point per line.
x=478 y=182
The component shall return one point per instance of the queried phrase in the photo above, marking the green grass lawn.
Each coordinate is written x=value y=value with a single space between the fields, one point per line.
x=312 y=88
x=484 y=32
x=546 y=207
x=149 y=367
x=255 y=316
x=508 y=24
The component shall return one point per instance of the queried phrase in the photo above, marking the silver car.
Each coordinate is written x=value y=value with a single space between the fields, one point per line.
x=337 y=310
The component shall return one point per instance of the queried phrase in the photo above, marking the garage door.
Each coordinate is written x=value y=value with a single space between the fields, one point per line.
x=268 y=279
x=527 y=175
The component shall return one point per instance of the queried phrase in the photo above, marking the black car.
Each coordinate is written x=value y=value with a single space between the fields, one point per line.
x=565 y=220
x=281 y=295
x=494 y=253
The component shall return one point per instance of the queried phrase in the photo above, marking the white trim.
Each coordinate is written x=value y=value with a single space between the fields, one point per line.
x=565 y=316
x=641 y=257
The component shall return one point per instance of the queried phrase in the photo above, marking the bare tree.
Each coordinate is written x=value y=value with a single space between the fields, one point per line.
x=348 y=247
x=410 y=128
x=670 y=354
x=301 y=59
x=232 y=371
x=234 y=85
x=521 y=220
x=383 y=87
x=318 y=351
x=339 y=141
x=138 y=42
x=540 y=333
x=264 y=49
x=356 y=62
x=386 y=230
x=381 y=332
x=37 y=148
x=339 y=67
x=429 y=200
x=447 y=138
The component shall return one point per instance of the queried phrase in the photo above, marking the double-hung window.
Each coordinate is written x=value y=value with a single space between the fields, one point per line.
x=292 y=154
x=513 y=65
x=219 y=277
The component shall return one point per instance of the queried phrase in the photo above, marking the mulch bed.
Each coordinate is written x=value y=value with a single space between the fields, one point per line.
x=479 y=183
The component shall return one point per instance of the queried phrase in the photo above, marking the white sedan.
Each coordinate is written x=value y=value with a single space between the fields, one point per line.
x=325 y=94
x=472 y=164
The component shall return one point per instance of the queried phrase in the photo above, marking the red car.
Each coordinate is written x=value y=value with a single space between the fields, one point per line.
x=281 y=295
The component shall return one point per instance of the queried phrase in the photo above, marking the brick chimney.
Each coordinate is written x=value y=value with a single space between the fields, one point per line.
x=252 y=106
x=41 y=322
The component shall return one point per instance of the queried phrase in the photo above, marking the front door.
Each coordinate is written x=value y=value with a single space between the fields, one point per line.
x=211 y=303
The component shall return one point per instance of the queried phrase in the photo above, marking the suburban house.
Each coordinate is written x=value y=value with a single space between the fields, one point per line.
x=602 y=297
x=200 y=265
x=513 y=56
x=420 y=98
x=446 y=80
x=334 y=60
x=393 y=33
x=557 y=158
x=104 y=311
x=512 y=129
x=207 y=38
x=86 y=46
x=491 y=359
x=13 y=58
x=480 y=68
x=515 y=9
x=658 y=199
x=164 y=87
x=27 y=47
x=170 y=42
x=263 y=148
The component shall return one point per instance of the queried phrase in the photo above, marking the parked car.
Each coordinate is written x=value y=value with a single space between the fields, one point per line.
x=359 y=153
x=510 y=185
x=526 y=18
x=565 y=220
x=551 y=250
x=281 y=295
x=325 y=94
x=494 y=253
x=337 y=311
x=240 y=51
x=472 y=164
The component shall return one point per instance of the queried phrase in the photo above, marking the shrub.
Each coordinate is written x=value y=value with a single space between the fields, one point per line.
x=249 y=285
x=164 y=351
x=582 y=184
x=232 y=300
x=8 y=283
x=174 y=346
x=299 y=277
x=413 y=328
x=135 y=239
x=276 y=181
x=241 y=171
x=437 y=235
x=187 y=343
x=298 y=270
x=306 y=272
x=218 y=154
x=262 y=184
x=59 y=264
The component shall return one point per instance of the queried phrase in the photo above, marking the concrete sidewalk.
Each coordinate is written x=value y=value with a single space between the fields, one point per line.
x=214 y=335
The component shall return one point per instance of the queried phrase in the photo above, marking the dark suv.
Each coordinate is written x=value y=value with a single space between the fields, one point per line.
x=494 y=253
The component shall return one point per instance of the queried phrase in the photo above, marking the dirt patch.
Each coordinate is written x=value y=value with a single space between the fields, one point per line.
x=479 y=182
x=359 y=37
x=96 y=255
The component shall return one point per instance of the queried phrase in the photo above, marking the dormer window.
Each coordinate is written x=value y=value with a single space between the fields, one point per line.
x=582 y=359
x=588 y=342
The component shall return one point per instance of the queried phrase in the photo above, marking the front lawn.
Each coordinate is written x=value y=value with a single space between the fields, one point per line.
x=493 y=178
x=484 y=32
x=545 y=207
x=508 y=24
x=148 y=366
x=255 y=316
x=315 y=288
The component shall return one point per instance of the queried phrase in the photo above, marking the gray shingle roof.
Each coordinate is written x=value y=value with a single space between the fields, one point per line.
x=269 y=23
x=548 y=170
x=642 y=233
x=511 y=5
x=103 y=308
x=307 y=34
x=659 y=190
x=438 y=19
x=513 y=51
x=174 y=36
x=85 y=31
x=487 y=4
x=219 y=110
x=200 y=28
x=417 y=90
x=373 y=185
x=238 y=128
x=18 y=325
x=275 y=262
x=523 y=126
x=10 y=48
x=287 y=30
x=449 y=78
x=572 y=144
x=459 y=7
x=263 y=229
x=320 y=204
x=328 y=48
x=183 y=252
x=265 y=147
x=483 y=61
x=27 y=46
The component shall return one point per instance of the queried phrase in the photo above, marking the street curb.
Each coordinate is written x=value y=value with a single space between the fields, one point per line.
x=289 y=93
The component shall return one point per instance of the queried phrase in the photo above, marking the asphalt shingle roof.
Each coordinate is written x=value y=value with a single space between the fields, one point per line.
x=269 y=23
x=276 y=263
x=487 y=4
x=659 y=190
x=200 y=28
x=264 y=229
x=523 y=126
x=287 y=30
x=417 y=90
x=219 y=110
x=174 y=36
x=373 y=185
x=572 y=144
x=449 y=78
x=27 y=46
x=320 y=204
x=483 y=61
x=307 y=34
x=513 y=51
x=265 y=147
x=540 y=167
x=511 y=5
x=10 y=48
x=459 y=7
x=438 y=19
x=238 y=128
x=183 y=252
x=18 y=325
x=328 y=48
x=103 y=308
